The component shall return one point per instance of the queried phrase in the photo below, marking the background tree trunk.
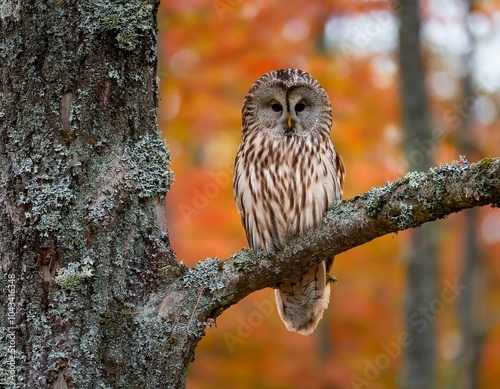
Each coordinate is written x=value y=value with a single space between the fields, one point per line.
x=419 y=143
x=474 y=273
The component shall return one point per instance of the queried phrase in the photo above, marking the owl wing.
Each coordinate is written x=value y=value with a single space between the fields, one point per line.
x=259 y=196
x=243 y=192
x=340 y=171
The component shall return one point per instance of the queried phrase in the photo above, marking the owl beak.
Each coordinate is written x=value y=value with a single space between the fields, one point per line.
x=289 y=122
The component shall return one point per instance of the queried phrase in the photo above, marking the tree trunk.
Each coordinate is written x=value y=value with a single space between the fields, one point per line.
x=83 y=180
x=419 y=143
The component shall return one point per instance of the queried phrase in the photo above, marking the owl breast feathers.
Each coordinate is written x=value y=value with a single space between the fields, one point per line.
x=286 y=175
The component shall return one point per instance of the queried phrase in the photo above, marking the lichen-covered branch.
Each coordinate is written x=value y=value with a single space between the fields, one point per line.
x=406 y=203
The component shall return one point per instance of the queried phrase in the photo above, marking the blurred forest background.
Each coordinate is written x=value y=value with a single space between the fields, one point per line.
x=211 y=51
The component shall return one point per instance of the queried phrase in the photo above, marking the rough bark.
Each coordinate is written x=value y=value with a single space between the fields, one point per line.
x=418 y=145
x=91 y=294
x=83 y=179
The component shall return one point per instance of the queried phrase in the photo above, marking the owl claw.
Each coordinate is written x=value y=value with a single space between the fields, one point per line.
x=331 y=279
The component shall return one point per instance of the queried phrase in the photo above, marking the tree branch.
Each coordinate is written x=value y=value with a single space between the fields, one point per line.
x=201 y=293
x=406 y=203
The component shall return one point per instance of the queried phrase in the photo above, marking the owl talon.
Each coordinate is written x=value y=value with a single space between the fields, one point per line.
x=331 y=279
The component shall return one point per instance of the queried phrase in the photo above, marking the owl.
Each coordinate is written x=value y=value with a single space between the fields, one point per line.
x=286 y=175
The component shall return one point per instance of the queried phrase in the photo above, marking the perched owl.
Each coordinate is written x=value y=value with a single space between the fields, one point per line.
x=286 y=175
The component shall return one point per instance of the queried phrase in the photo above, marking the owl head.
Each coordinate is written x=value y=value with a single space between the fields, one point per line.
x=287 y=103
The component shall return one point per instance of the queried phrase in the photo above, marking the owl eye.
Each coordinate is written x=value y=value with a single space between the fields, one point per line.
x=300 y=107
x=277 y=107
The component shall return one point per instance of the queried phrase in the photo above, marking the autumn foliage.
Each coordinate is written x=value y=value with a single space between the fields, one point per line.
x=210 y=54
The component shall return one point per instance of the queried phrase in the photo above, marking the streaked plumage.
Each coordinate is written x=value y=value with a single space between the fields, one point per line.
x=286 y=175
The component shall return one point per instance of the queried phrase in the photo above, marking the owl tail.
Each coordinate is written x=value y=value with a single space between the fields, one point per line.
x=302 y=299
